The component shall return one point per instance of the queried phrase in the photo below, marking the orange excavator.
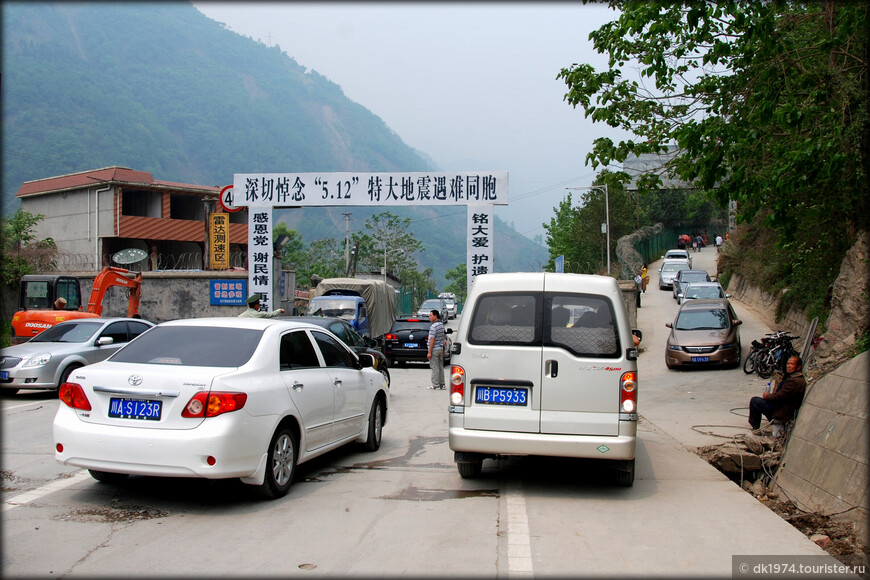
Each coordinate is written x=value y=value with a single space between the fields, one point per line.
x=39 y=293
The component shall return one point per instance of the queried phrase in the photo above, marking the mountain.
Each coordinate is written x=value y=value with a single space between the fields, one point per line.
x=159 y=87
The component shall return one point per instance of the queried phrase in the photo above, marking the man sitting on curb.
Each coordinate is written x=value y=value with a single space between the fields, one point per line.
x=780 y=404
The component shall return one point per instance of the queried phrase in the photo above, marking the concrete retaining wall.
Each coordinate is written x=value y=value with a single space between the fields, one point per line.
x=825 y=465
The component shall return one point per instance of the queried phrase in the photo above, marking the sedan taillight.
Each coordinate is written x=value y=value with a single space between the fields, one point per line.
x=213 y=404
x=391 y=336
x=73 y=395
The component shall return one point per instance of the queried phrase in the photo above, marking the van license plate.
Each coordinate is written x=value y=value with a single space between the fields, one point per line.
x=4 y=375
x=700 y=359
x=140 y=409
x=501 y=396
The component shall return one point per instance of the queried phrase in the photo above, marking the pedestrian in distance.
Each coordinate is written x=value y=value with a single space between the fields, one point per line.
x=254 y=311
x=784 y=399
x=718 y=242
x=638 y=282
x=644 y=279
x=437 y=337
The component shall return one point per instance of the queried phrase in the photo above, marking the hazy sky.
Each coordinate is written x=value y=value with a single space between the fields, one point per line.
x=471 y=85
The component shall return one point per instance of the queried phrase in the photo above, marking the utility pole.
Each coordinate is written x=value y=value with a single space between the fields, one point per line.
x=346 y=241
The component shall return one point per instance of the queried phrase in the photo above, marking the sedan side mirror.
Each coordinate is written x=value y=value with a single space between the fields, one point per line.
x=366 y=360
x=737 y=322
x=448 y=331
x=104 y=340
x=669 y=324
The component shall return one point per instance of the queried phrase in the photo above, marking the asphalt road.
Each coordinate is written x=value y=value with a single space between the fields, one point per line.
x=404 y=510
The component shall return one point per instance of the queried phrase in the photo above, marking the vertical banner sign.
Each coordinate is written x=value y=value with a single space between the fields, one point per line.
x=219 y=241
x=260 y=254
x=560 y=263
x=480 y=241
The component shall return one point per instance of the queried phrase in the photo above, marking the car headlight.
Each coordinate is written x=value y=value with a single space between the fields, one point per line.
x=37 y=360
x=726 y=346
x=674 y=347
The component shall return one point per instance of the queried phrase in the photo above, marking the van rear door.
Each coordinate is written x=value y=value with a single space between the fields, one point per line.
x=582 y=360
x=504 y=343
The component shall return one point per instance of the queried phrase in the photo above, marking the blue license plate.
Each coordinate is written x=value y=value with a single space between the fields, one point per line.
x=4 y=375
x=141 y=409
x=410 y=345
x=700 y=359
x=501 y=396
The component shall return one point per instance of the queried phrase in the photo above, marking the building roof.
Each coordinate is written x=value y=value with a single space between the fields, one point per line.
x=109 y=175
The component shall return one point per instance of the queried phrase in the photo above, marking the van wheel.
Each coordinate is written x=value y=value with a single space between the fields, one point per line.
x=624 y=474
x=470 y=469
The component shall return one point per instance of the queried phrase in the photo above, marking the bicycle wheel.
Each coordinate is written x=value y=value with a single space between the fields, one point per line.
x=749 y=362
x=764 y=366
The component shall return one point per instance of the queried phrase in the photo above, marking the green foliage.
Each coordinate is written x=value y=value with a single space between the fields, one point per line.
x=293 y=252
x=21 y=252
x=458 y=285
x=387 y=242
x=325 y=258
x=767 y=104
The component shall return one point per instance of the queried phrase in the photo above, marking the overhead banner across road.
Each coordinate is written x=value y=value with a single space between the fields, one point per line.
x=367 y=189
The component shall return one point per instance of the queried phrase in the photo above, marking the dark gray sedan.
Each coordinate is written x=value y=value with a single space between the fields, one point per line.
x=46 y=360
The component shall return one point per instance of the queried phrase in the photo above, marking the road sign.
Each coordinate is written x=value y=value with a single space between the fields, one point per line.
x=226 y=199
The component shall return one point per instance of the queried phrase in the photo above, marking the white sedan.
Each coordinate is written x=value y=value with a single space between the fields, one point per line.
x=220 y=398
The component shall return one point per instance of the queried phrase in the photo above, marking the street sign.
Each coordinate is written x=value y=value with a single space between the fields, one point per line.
x=227 y=199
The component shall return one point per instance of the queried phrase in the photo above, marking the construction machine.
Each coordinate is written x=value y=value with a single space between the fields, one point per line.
x=38 y=294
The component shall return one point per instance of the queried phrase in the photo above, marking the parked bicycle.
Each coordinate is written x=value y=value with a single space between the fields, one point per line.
x=776 y=356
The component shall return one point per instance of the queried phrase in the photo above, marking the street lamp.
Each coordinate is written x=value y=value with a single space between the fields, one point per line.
x=606 y=215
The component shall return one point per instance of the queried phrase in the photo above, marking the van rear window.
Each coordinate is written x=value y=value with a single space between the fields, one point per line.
x=508 y=319
x=582 y=324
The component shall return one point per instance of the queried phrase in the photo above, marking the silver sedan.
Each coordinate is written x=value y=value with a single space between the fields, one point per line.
x=46 y=360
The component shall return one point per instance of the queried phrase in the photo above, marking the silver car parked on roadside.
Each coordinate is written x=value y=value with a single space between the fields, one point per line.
x=46 y=360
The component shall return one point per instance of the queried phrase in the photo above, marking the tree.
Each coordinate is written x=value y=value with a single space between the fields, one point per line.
x=293 y=252
x=765 y=100
x=22 y=253
x=387 y=240
x=458 y=285
x=324 y=257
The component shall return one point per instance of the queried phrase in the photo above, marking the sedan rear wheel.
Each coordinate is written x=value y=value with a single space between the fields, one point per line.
x=283 y=452
x=376 y=425
x=470 y=469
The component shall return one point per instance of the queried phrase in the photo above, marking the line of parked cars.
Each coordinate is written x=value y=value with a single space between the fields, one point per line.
x=706 y=330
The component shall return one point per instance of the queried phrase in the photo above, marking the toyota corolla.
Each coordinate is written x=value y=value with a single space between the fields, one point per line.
x=220 y=398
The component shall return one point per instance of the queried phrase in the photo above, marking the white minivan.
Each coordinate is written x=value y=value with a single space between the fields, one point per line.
x=544 y=364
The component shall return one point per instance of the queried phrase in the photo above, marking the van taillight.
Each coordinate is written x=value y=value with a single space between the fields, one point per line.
x=628 y=392
x=73 y=395
x=457 y=386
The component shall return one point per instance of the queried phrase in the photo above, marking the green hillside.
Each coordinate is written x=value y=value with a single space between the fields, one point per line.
x=159 y=87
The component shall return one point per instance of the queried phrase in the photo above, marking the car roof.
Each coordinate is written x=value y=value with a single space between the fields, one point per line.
x=101 y=320
x=239 y=322
x=318 y=320
x=705 y=304
x=677 y=251
x=411 y=319
x=702 y=283
x=684 y=272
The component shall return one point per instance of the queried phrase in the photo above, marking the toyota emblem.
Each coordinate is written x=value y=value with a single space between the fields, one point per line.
x=135 y=380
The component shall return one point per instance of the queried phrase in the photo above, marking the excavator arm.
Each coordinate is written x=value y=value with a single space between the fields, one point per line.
x=111 y=276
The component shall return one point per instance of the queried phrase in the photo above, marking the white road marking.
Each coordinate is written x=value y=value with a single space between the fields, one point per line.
x=40 y=492
x=519 y=542
x=28 y=404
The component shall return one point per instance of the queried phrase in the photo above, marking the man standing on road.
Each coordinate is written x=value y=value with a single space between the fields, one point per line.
x=782 y=403
x=718 y=242
x=436 y=350
x=253 y=310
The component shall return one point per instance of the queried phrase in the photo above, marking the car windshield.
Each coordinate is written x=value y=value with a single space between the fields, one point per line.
x=702 y=320
x=674 y=267
x=703 y=292
x=336 y=307
x=70 y=332
x=431 y=305
x=197 y=346
x=676 y=255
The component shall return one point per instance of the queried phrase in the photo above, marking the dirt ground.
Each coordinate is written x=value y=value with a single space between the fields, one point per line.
x=837 y=537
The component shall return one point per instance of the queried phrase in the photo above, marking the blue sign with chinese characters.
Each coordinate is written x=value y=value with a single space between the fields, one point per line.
x=228 y=292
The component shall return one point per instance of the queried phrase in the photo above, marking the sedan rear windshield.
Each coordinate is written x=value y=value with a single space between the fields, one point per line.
x=197 y=346
x=674 y=267
x=401 y=325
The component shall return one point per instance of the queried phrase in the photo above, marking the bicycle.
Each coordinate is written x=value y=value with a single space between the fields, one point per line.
x=777 y=357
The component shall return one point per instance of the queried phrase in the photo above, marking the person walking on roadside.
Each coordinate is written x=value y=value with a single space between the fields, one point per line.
x=437 y=336
x=644 y=279
x=254 y=311
x=718 y=242
x=784 y=400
